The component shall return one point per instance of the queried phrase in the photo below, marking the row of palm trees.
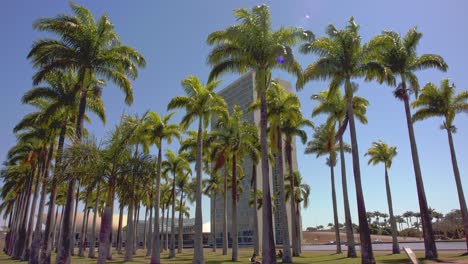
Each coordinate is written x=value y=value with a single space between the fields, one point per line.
x=86 y=50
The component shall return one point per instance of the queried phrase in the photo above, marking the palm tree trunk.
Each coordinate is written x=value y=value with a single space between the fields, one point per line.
x=234 y=233
x=198 y=257
x=19 y=242
x=130 y=234
x=172 y=253
x=93 y=232
x=225 y=217
x=49 y=232
x=299 y=225
x=74 y=219
x=149 y=241
x=461 y=195
x=429 y=242
x=348 y=221
x=135 y=227
x=395 y=246
x=213 y=223
x=144 y=228
x=181 y=222
x=268 y=244
x=256 y=227
x=156 y=249
x=84 y=234
x=364 y=234
x=119 y=230
x=65 y=247
x=162 y=236
x=105 y=233
x=27 y=247
x=81 y=244
x=286 y=258
x=294 y=235
x=57 y=243
x=335 y=209
x=166 y=244
x=37 y=236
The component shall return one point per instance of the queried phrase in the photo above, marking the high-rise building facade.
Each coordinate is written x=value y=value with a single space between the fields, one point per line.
x=242 y=92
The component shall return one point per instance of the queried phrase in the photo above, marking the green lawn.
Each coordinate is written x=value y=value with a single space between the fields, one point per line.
x=309 y=257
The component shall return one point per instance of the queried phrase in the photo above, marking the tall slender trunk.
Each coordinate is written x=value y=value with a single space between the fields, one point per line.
x=180 y=236
x=37 y=236
x=286 y=258
x=7 y=237
x=84 y=236
x=77 y=200
x=461 y=195
x=225 y=217
x=395 y=246
x=19 y=231
x=268 y=241
x=49 y=232
x=292 y=187
x=92 y=238
x=119 y=230
x=156 y=250
x=65 y=247
x=335 y=209
x=234 y=233
x=27 y=247
x=135 y=227
x=149 y=241
x=166 y=244
x=83 y=230
x=105 y=233
x=162 y=236
x=256 y=226
x=348 y=221
x=429 y=242
x=13 y=214
x=129 y=241
x=299 y=225
x=198 y=257
x=213 y=222
x=172 y=253
x=58 y=242
x=144 y=228
x=364 y=234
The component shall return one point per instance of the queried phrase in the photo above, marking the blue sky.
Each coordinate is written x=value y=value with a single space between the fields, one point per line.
x=172 y=37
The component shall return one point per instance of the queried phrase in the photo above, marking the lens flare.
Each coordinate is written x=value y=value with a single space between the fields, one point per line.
x=280 y=59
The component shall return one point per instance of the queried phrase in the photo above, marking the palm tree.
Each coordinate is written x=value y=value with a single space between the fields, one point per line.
x=281 y=108
x=236 y=138
x=182 y=182
x=399 y=58
x=179 y=167
x=183 y=211
x=213 y=187
x=60 y=108
x=93 y=49
x=335 y=106
x=302 y=193
x=292 y=128
x=158 y=130
x=342 y=58
x=382 y=153
x=201 y=102
x=323 y=143
x=253 y=45
x=441 y=101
